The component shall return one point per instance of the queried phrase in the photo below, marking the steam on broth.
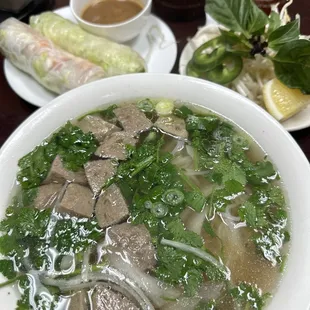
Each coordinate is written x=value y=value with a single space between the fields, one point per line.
x=146 y=205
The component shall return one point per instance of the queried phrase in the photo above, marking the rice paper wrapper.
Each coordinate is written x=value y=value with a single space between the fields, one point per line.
x=36 y=55
x=113 y=57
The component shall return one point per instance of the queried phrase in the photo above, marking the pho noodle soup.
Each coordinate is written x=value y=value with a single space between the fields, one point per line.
x=146 y=205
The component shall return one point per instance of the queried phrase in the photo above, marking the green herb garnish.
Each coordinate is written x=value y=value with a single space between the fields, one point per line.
x=250 y=32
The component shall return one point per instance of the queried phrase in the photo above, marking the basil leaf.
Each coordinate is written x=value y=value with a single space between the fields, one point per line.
x=237 y=15
x=292 y=65
x=274 y=22
x=284 y=34
x=230 y=37
x=236 y=44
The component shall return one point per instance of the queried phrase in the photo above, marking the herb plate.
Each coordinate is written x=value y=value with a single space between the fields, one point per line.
x=210 y=31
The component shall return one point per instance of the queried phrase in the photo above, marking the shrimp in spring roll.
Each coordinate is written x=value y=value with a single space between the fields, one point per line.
x=36 y=55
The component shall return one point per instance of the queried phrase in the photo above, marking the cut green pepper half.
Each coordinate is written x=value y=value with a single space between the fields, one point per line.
x=227 y=71
x=191 y=70
x=210 y=54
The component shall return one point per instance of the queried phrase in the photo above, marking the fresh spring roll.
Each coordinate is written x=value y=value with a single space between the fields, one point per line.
x=113 y=57
x=34 y=54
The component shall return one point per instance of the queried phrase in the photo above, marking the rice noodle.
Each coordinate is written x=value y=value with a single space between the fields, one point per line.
x=185 y=303
x=157 y=291
x=227 y=214
x=228 y=222
x=179 y=147
x=36 y=288
x=85 y=265
x=199 y=253
x=110 y=278
x=193 y=220
x=182 y=161
x=234 y=240
x=190 y=151
x=210 y=290
x=190 y=172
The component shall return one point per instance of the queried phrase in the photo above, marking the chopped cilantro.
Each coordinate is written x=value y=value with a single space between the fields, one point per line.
x=177 y=232
x=209 y=229
x=193 y=279
x=195 y=200
x=206 y=305
x=75 y=235
x=253 y=215
x=7 y=268
x=205 y=123
x=74 y=147
x=183 y=112
x=249 y=296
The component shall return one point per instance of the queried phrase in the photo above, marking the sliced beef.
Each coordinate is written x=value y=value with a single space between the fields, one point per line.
x=132 y=119
x=47 y=195
x=59 y=174
x=172 y=125
x=77 y=201
x=97 y=126
x=135 y=242
x=106 y=299
x=111 y=207
x=98 y=172
x=79 y=301
x=114 y=146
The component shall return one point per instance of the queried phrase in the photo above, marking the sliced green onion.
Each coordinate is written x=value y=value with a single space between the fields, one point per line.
x=148 y=204
x=164 y=107
x=159 y=209
x=173 y=197
x=143 y=164
x=145 y=105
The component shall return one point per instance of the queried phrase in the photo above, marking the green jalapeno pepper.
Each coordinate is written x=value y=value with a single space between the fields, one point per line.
x=191 y=70
x=210 y=54
x=227 y=71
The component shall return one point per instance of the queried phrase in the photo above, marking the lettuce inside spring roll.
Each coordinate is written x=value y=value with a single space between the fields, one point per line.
x=34 y=54
x=113 y=57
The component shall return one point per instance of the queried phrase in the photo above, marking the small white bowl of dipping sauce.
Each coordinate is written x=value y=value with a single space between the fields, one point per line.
x=117 y=20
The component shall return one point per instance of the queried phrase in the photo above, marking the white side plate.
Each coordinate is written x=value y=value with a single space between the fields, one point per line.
x=297 y=122
x=156 y=44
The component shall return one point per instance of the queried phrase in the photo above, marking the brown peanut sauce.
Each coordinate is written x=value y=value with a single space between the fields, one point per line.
x=111 y=11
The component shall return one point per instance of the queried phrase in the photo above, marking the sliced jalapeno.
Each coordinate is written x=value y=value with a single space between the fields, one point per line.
x=210 y=54
x=191 y=70
x=227 y=71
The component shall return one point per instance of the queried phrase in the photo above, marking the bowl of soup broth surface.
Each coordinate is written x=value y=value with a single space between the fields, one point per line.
x=118 y=20
x=211 y=205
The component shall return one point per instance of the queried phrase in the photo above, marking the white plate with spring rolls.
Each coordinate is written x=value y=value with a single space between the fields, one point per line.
x=156 y=45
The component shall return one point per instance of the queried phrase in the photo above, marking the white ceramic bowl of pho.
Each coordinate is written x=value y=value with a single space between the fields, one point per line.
x=290 y=290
